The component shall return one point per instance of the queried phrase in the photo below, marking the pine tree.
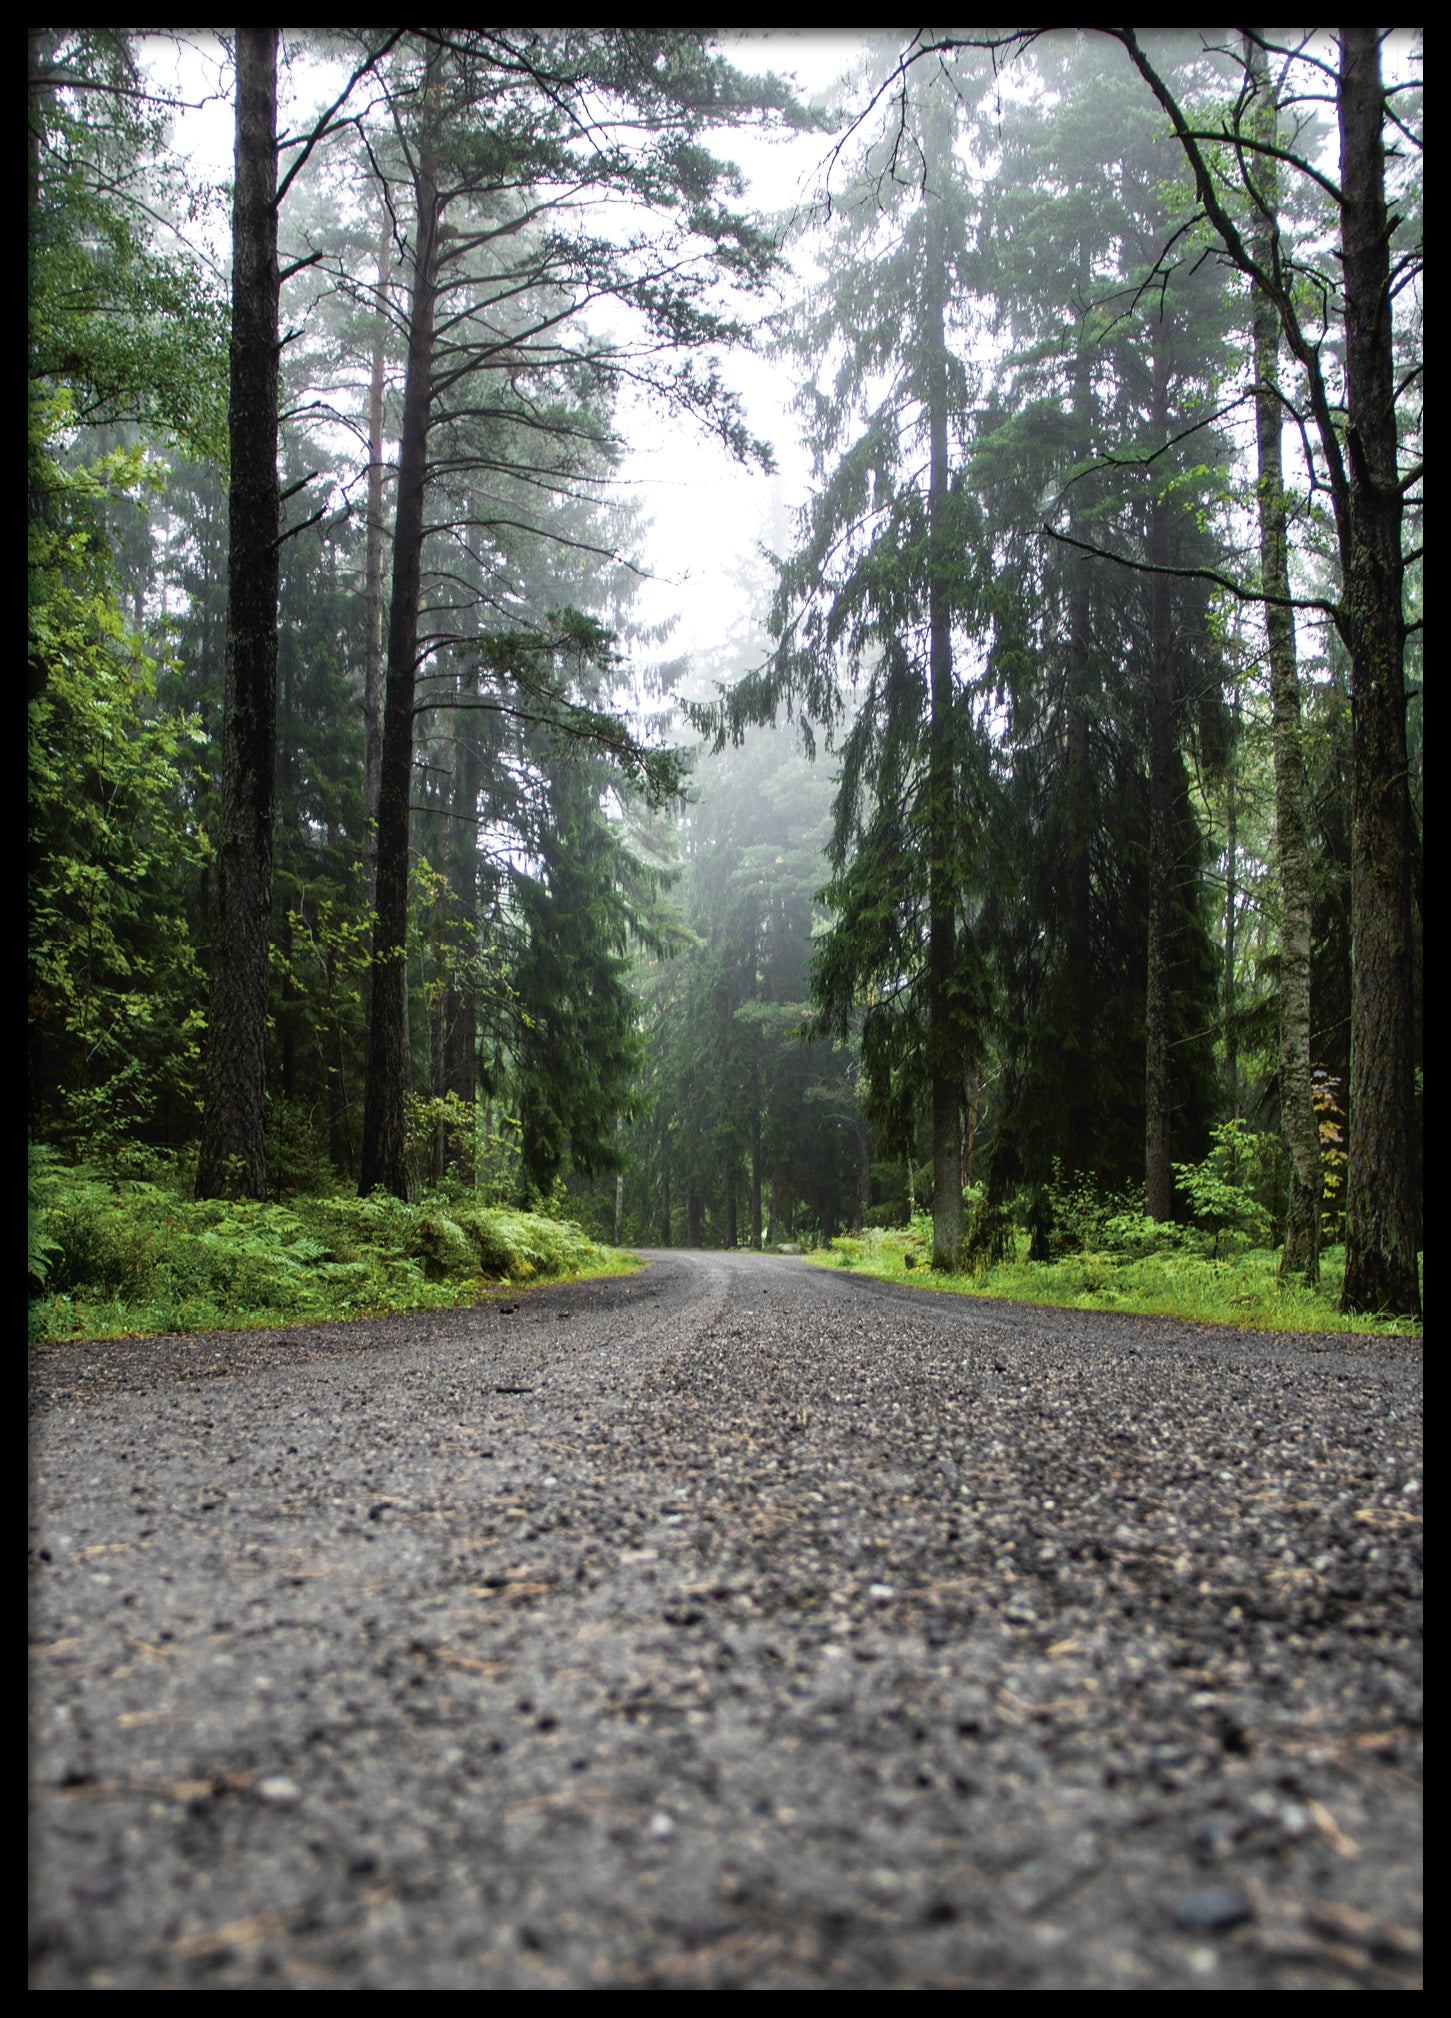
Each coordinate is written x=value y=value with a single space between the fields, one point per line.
x=884 y=583
x=498 y=137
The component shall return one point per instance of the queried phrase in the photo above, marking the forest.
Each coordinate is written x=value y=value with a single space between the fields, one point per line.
x=1032 y=860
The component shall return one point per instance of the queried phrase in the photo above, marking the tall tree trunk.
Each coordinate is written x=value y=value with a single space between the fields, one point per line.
x=1382 y=1220
x=373 y=599
x=619 y=1226
x=946 y=1061
x=387 y=1160
x=973 y=1106
x=232 y=1159
x=863 y=1167
x=1231 y=915
x=756 y=1154
x=438 y=1030
x=693 y=1230
x=1158 y=1171
x=665 y=1210
x=1301 y=1253
x=463 y=875
x=1080 y=1032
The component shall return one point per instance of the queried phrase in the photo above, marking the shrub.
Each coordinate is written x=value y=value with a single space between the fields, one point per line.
x=443 y=1246
x=1218 y=1188
x=109 y=1256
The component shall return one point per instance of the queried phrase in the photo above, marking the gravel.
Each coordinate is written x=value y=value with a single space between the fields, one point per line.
x=737 y=1624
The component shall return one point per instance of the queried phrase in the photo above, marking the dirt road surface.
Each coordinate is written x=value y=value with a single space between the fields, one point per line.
x=737 y=1624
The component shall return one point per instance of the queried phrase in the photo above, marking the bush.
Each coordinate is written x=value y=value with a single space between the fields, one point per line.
x=443 y=1246
x=117 y=1255
x=1218 y=1189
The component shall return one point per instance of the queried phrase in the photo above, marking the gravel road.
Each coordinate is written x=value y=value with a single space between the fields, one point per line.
x=736 y=1624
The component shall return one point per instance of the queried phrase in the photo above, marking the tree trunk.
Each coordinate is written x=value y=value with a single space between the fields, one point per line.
x=1080 y=1035
x=232 y=1158
x=1231 y=912
x=665 y=1210
x=756 y=1155
x=463 y=866
x=692 y=1215
x=387 y=1161
x=946 y=1064
x=619 y=1227
x=1382 y=1222
x=438 y=1031
x=1301 y=1253
x=863 y=1167
x=373 y=601
x=1158 y=1172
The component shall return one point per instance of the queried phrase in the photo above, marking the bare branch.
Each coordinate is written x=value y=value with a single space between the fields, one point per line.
x=325 y=125
x=1236 y=589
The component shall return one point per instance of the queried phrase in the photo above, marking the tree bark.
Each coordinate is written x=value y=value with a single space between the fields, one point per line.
x=463 y=860
x=619 y=1226
x=1301 y=1252
x=373 y=601
x=756 y=1155
x=1080 y=1034
x=1231 y=916
x=946 y=1061
x=232 y=1158
x=387 y=1159
x=1382 y=1221
x=1158 y=1170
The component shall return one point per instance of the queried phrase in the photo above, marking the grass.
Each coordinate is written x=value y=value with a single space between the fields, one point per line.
x=1180 y=1280
x=123 y=1257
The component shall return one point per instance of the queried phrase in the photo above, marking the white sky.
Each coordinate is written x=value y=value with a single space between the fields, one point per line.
x=709 y=513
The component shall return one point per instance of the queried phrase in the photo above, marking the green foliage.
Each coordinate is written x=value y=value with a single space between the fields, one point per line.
x=1168 y=1277
x=133 y=331
x=112 y=1256
x=1071 y=1215
x=40 y=1249
x=1219 y=1189
x=1330 y=1121
x=115 y=990
x=578 y=1049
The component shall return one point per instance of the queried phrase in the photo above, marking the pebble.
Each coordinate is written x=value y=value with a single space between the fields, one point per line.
x=1213 y=1911
x=280 y=1789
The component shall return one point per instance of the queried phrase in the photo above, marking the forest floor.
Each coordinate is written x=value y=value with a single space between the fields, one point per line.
x=736 y=1624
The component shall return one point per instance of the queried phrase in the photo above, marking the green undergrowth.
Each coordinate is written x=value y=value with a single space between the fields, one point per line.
x=1160 y=1273
x=116 y=1257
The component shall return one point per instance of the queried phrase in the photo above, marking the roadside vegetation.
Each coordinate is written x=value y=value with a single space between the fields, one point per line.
x=114 y=1254
x=1243 y=1289
x=1065 y=1244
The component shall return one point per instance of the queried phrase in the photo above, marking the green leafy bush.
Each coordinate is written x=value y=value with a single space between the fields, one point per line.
x=1219 y=1189
x=111 y=1255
